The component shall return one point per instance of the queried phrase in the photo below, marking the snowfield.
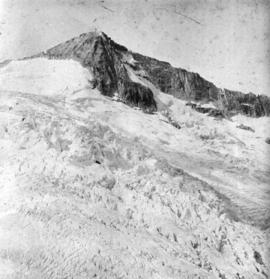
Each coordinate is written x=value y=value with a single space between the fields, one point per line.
x=50 y=78
x=92 y=188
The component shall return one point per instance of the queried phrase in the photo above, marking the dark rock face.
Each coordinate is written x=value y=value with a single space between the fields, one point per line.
x=248 y=104
x=191 y=86
x=215 y=112
x=138 y=95
x=175 y=81
x=105 y=58
x=244 y=127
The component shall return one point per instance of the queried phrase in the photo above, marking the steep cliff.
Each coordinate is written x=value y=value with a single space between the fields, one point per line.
x=104 y=58
x=191 y=86
x=107 y=60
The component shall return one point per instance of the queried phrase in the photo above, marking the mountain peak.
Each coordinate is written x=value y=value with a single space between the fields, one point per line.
x=107 y=60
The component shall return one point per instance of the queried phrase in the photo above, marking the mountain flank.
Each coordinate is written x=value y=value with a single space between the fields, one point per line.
x=109 y=62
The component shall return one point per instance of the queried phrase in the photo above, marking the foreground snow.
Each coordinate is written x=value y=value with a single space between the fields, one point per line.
x=94 y=188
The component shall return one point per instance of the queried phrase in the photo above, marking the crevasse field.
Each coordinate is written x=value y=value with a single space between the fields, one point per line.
x=92 y=188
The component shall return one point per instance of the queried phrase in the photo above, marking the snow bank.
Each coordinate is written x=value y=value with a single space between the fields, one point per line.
x=42 y=76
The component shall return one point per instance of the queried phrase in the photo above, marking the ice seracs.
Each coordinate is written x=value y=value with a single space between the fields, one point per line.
x=91 y=188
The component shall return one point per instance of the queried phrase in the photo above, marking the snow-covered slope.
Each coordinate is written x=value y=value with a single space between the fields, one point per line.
x=219 y=47
x=57 y=77
x=92 y=188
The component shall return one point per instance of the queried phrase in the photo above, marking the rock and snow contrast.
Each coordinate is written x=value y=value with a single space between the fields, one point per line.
x=117 y=165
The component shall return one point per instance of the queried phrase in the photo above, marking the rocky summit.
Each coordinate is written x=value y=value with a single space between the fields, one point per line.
x=109 y=62
x=106 y=59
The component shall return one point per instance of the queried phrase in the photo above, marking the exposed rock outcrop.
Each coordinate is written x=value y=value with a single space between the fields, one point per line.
x=137 y=94
x=215 y=112
x=245 y=127
x=191 y=86
x=107 y=61
x=104 y=58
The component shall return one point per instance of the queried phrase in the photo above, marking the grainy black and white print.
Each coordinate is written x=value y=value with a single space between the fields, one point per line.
x=134 y=139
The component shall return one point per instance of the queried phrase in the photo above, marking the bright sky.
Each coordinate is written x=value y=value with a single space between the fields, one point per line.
x=227 y=42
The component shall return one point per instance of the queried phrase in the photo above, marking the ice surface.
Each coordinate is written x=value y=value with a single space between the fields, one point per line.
x=91 y=188
x=40 y=76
